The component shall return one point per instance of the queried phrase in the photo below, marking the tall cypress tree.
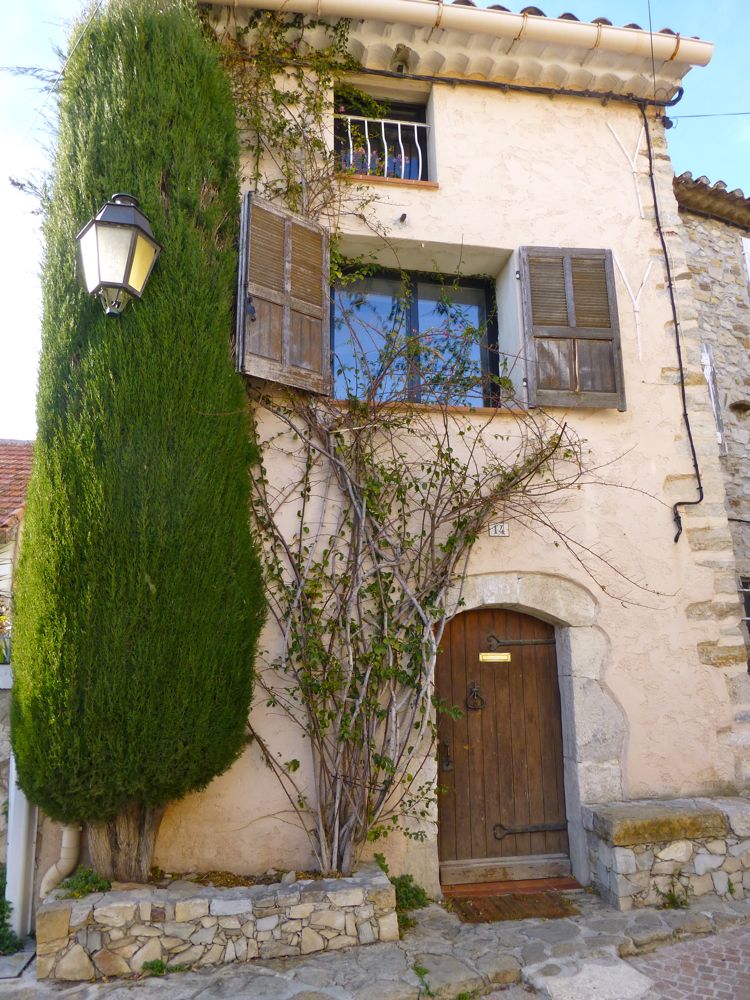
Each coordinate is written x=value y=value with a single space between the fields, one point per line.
x=138 y=594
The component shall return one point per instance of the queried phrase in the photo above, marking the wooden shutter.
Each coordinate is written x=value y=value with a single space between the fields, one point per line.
x=571 y=328
x=283 y=309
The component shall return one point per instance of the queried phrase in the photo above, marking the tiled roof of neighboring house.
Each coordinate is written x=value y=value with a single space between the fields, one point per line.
x=705 y=198
x=15 y=470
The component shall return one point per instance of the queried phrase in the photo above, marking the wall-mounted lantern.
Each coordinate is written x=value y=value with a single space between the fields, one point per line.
x=117 y=252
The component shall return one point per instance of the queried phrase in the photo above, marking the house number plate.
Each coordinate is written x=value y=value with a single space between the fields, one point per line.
x=494 y=657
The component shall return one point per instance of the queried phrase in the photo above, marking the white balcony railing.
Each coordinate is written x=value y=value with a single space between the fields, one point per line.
x=382 y=147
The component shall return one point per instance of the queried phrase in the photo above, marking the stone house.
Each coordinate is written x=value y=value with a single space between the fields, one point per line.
x=526 y=160
x=716 y=234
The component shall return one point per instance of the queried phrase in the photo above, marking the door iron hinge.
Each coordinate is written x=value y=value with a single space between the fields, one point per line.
x=499 y=831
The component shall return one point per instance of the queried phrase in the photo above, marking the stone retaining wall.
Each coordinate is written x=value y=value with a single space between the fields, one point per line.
x=114 y=933
x=655 y=853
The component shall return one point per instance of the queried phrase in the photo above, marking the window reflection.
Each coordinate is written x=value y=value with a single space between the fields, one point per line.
x=403 y=338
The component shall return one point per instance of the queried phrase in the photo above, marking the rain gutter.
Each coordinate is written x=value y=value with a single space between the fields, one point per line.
x=499 y=24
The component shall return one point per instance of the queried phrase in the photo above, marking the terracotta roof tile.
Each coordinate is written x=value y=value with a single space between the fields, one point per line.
x=15 y=469
x=701 y=196
x=537 y=12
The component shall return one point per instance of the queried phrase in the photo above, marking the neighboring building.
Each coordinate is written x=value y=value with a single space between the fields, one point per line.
x=534 y=193
x=15 y=469
x=716 y=235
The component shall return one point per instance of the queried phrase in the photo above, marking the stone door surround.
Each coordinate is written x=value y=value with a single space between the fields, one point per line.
x=594 y=725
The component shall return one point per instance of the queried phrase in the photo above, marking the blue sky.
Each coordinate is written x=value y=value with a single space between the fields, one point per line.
x=31 y=30
x=716 y=147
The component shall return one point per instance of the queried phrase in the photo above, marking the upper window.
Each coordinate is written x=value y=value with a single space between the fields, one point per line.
x=413 y=337
x=571 y=328
x=392 y=144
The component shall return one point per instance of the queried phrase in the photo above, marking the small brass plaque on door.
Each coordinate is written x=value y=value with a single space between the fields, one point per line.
x=494 y=657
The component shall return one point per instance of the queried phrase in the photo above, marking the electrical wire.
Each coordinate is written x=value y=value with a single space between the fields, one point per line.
x=675 y=320
x=717 y=114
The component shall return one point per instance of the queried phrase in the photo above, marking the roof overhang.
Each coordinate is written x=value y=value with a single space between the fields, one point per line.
x=432 y=38
x=704 y=198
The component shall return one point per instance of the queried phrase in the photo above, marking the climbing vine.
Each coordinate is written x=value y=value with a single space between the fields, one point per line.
x=285 y=69
x=369 y=505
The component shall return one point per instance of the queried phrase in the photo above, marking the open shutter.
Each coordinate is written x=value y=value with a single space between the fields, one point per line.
x=283 y=310
x=571 y=328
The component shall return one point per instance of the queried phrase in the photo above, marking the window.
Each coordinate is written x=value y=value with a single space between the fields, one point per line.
x=571 y=328
x=412 y=336
x=419 y=337
x=745 y=595
x=394 y=145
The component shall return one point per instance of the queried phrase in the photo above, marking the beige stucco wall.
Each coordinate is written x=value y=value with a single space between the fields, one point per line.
x=662 y=658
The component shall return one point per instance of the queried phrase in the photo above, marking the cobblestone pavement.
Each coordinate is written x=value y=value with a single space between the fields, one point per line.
x=713 y=968
x=575 y=958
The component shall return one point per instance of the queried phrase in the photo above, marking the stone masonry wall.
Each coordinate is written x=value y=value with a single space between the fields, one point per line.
x=708 y=533
x=655 y=853
x=722 y=297
x=114 y=933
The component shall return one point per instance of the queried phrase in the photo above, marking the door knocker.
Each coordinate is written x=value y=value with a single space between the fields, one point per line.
x=475 y=701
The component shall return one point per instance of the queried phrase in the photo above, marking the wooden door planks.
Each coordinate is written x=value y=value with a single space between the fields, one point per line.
x=506 y=754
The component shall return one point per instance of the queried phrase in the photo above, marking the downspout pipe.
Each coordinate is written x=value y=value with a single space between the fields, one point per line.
x=70 y=848
x=499 y=24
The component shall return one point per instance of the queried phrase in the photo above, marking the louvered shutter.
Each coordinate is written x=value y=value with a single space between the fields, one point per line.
x=283 y=310
x=571 y=328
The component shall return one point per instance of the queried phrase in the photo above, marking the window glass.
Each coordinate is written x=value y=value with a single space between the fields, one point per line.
x=369 y=316
x=405 y=338
x=452 y=322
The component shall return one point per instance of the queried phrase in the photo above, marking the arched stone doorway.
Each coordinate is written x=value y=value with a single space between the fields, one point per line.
x=594 y=728
x=501 y=809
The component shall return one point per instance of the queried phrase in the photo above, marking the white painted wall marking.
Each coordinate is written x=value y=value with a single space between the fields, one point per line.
x=632 y=161
x=635 y=299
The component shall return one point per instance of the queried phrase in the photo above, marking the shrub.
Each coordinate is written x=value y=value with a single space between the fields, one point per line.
x=139 y=595
x=9 y=940
x=409 y=895
x=83 y=882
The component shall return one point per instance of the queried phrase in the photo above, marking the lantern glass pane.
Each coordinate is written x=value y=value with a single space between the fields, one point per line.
x=89 y=259
x=143 y=258
x=114 y=249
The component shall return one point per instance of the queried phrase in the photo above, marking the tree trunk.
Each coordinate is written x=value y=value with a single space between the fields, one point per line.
x=123 y=848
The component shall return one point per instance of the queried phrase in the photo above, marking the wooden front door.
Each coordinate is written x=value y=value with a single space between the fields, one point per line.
x=501 y=811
